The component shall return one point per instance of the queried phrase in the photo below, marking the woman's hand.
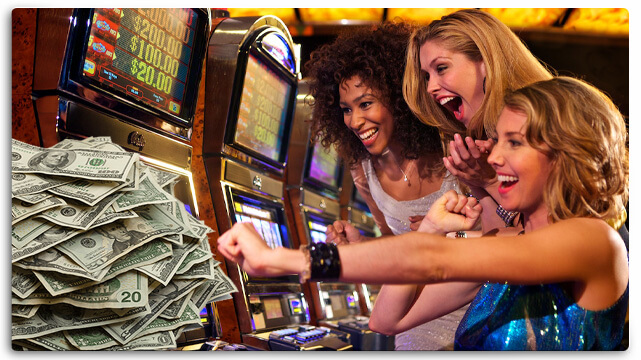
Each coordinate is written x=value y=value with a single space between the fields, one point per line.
x=243 y=245
x=468 y=161
x=342 y=232
x=415 y=221
x=451 y=212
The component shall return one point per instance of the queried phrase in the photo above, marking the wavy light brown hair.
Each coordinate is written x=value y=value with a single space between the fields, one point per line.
x=480 y=36
x=583 y=132
x=377 y=56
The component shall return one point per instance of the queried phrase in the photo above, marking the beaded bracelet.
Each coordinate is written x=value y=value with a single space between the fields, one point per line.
x=507 y=216
x=324 y=262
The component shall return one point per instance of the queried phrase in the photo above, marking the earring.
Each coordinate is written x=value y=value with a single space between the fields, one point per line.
x=484 y=84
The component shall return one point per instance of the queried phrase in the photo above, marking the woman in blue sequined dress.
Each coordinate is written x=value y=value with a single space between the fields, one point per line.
x=562 y=162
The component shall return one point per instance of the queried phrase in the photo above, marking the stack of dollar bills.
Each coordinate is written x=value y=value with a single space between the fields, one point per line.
x=104 y=257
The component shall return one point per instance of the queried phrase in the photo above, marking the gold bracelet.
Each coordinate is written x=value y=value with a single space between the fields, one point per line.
x=306 y=273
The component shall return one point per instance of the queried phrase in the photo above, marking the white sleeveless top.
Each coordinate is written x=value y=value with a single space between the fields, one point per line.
x=396 y=212
x=437 y=334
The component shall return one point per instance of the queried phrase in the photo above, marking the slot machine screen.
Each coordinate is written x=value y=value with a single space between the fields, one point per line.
x=263 y=221
x=273 y=309
x=264 y=110
x=324 y=167
x=337 y=302
x=151 y=58
x=351 y=301
x=317 y=226
x=268 y=220
x=317 y=231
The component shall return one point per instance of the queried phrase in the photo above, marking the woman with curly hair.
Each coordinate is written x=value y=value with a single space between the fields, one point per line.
x=562 y=284
x=395 y=160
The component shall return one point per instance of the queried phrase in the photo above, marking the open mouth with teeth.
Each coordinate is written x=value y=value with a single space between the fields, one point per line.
x=453 y=104
x=368 y=137
x=506 y=182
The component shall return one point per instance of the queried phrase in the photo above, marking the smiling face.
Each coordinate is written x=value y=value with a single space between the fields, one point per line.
x=366 y=115
x=453 y=80
x=522 y=170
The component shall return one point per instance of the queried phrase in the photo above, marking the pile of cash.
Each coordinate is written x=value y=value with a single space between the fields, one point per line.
x=104 y=257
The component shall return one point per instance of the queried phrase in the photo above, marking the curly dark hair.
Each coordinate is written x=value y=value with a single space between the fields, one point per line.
x=377 y=56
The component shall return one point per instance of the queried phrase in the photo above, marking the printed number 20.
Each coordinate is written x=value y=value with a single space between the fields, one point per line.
x=131 y=297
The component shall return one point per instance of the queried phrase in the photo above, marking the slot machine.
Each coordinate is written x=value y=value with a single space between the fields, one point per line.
x=314 y=185
x=251 y=87
x=132 y=75
x=354 y=209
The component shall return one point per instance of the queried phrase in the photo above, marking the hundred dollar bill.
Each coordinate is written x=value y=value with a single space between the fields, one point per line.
x=34 y=198
x=52 y=260
x=23 y=282
x=109 y=147
x=73 y=144
x=164 y=270
x=57 y=283
x=26 y=230
x=157 y=341
x=189 y=315
x=51 y=237
x=77 y=215
x=148 y=193
x=159 y=300
x=127 y=290
x=58 y=317
x=28 y=184
x=24 y=311
x=79 y=163
x=21 y=210
x=90 y=192
x=99 y=247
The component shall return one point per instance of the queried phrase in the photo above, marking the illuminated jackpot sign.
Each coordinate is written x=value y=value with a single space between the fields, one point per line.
x=142 y=53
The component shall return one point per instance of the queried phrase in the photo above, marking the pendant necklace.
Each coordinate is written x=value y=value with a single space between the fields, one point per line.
x=405 y=178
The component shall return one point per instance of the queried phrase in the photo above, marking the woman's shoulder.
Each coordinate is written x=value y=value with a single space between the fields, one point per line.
x=601 y=237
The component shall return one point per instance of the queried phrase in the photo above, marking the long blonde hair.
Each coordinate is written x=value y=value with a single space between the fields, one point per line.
x=481 y=37
x=583 y=132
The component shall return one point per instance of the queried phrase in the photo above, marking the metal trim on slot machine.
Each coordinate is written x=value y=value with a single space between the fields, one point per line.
x=251 y=86
x=87 y=82
x=314 y=185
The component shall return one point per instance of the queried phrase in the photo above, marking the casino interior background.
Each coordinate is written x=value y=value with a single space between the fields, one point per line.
x=589 y=43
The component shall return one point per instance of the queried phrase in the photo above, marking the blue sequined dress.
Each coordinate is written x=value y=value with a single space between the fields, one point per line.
x=537 y=317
